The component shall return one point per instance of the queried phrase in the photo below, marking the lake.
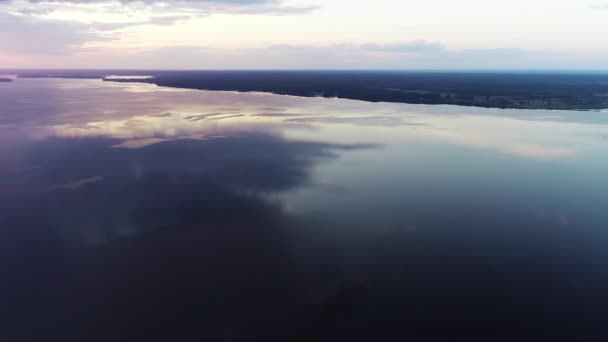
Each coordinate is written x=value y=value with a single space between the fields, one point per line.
x=130 y=211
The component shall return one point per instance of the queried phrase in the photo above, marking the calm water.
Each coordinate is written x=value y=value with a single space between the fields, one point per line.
x=130 y=212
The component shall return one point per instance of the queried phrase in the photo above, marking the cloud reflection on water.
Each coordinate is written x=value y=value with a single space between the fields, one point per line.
x=130 y=215
x=82 y=108
x=113 y=227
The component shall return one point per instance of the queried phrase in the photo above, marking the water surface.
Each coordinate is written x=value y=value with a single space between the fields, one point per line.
x=130 y=212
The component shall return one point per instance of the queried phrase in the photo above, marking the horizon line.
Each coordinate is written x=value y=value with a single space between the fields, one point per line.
x=499 y=70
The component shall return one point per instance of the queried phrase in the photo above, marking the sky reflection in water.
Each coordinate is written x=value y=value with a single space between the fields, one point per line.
x=129 y=211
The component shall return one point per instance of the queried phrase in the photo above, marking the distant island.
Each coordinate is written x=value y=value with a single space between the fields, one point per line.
x=6 y=80
x=520 y=90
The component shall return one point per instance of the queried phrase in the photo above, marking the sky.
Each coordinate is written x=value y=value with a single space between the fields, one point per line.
x=299 y=34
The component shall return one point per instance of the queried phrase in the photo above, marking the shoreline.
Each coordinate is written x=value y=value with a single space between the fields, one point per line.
x=454 y=91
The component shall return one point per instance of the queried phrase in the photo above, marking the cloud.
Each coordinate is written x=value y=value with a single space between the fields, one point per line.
x=400 y=55
x=162 y=21
x=36 y=27
x=419 y=46
x=23 y=35
x=142 y=11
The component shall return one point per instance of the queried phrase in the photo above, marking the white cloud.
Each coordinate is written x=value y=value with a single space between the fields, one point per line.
x=291 y=34
x=130 y=12
x=23 y=35
x=47 y=27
